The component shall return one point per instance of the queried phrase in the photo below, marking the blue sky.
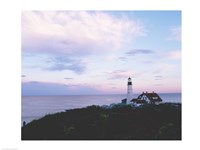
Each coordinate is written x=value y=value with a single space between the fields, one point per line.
x=94 y=52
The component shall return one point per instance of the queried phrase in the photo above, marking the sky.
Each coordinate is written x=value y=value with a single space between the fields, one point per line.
x=94 y=52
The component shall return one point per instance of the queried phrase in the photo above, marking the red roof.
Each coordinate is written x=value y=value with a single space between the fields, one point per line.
x=154 y=97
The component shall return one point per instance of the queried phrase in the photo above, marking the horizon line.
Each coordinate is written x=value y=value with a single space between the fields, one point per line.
x=99 y=94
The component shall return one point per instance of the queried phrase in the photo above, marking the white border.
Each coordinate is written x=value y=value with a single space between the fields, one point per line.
x=10 y=38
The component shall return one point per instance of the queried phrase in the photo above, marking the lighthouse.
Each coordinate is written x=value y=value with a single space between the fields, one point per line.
x=129 y=91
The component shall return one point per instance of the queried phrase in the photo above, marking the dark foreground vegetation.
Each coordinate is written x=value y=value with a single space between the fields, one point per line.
x=120 y=122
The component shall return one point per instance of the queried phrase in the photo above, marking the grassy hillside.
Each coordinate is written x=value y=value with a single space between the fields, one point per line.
x=120 y=122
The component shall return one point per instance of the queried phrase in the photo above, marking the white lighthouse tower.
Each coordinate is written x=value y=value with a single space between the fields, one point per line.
x=129 y=91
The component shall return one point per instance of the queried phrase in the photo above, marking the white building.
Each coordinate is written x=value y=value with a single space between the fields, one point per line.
x=151 y=98
x=144 y=98
x=129 y=91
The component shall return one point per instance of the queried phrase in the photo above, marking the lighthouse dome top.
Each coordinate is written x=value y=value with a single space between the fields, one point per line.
x=129 y=78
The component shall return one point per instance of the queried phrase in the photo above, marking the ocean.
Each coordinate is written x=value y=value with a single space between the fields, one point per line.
x=35 y=107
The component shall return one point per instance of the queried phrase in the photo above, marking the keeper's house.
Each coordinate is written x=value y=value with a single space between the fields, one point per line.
x=144 y=98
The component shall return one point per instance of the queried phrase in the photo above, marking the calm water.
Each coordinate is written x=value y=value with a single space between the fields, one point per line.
x=35 y=107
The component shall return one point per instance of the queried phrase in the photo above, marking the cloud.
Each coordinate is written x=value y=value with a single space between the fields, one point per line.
x=68 y=78
x=122 y=58
x=42 y=88
x=119 y=74
x=124 y=74
x=158 y=85
x=147 y=61
x=114 y=87
x=158 y=77
x=175 y=34
x=169 y=55
x=76 y=32
x=60 y=63
x=139 y=51
x=73 y=67
x=174 y=54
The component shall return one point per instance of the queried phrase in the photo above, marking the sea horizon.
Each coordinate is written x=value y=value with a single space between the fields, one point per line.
x=101 y=94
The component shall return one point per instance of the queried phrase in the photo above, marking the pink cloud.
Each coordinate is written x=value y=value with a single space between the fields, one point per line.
x=74 y=32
